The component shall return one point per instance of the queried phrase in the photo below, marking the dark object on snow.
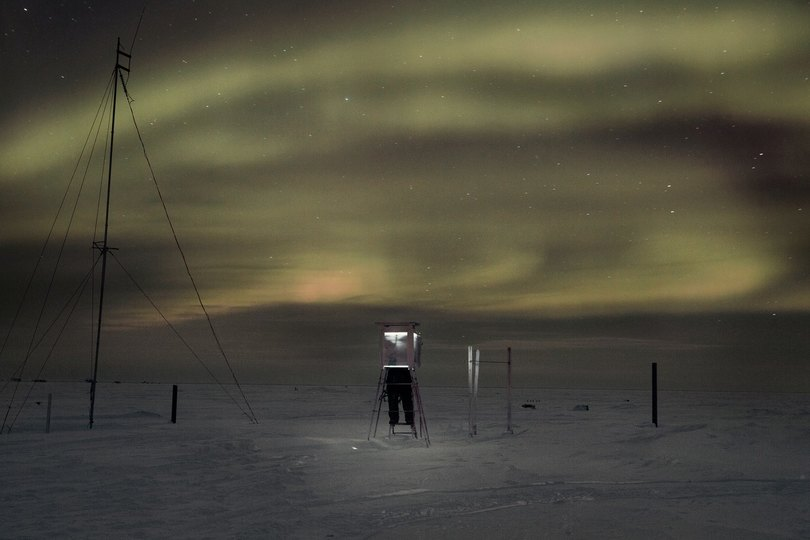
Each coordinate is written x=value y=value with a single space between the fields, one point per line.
x=528 y=406
x=581 y=408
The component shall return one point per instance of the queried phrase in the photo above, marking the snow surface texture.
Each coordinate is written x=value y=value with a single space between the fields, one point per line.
x=719 y=465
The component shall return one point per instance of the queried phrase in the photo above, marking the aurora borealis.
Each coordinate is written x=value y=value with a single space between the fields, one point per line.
x=510 y=161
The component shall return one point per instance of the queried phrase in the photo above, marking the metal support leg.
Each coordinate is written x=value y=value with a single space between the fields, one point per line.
x=378 y=399
x=423 y=429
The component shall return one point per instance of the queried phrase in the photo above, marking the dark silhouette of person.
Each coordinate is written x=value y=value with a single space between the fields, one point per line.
x=398 y=387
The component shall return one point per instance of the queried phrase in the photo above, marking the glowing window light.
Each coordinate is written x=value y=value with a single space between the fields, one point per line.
x=396 y=351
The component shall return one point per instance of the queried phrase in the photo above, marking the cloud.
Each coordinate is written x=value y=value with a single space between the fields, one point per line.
x=556 y=159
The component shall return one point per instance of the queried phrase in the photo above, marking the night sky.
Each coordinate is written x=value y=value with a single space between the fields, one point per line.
x=597 y=184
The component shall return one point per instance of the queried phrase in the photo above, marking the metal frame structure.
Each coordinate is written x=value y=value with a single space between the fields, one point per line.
x=394 y=357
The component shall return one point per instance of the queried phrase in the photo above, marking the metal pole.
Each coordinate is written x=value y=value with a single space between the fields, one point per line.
x=174 y=404
x=509 y=390
x=655 y=393
x=475 y=392
x=48 y=415
x=470 y=388
x=103 y=247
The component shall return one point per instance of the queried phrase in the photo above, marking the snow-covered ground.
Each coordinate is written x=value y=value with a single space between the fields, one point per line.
x=719 y=465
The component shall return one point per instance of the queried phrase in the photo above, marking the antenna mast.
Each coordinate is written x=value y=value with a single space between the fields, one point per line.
x=103 y=246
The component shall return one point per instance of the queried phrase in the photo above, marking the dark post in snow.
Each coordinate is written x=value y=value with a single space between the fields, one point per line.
x=48 y=415
x=509 y=390
x=174 y=404
x=655 y=393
